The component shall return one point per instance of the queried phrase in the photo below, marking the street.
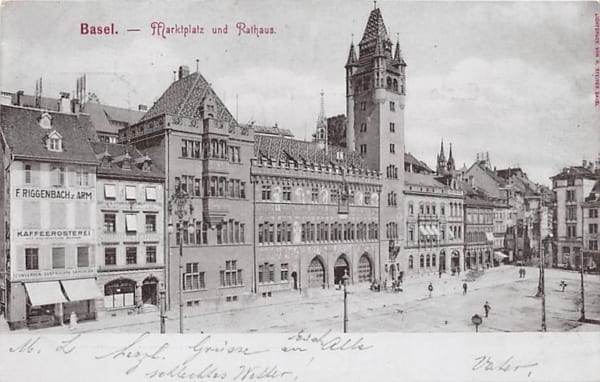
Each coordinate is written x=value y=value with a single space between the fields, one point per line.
x=514 y=308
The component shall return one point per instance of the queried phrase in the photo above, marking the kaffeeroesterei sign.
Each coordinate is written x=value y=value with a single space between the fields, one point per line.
x=53 y=234
x=55 y=194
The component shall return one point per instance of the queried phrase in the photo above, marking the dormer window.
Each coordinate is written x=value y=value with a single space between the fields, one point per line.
x=46 y=121
x=54 y=142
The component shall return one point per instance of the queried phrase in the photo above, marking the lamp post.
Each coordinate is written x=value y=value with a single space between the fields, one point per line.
x=543 y=280
x=162 y=294
x=345 y=281
x=178 y=204
x=582 y=318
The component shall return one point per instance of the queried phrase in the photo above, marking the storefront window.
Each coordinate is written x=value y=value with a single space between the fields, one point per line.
x=119 y=293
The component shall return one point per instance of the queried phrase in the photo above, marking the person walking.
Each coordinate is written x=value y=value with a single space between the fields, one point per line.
x=465 y=288
x=430 y=289
x=440 y=273
x=487 y=308
x=524 y=272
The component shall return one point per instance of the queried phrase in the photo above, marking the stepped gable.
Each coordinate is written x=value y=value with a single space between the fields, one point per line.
x=184 y=98
x=283 y=149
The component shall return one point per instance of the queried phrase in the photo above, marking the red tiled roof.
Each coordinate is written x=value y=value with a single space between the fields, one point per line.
x=184 y=97
x=24 y=135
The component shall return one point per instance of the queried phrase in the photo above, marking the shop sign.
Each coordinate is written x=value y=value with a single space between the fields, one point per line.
x=52 y=194
x=53 y=234
x=52 y=274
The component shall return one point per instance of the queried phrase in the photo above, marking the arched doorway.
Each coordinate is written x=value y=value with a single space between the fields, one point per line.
x=295 y=278
x=150 y=290
x=340 y=269
x=455 y=261
x=365 y=269
x=468 y=260
x=316 y=274
x=442 y=260
x=488 y=257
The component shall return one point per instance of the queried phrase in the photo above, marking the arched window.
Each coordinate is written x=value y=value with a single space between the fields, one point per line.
x=389 y=83
x=410 y=262
x=395 y=86
x=421 y=261
x=433 y=260
x=411 y=210
x=428 y=261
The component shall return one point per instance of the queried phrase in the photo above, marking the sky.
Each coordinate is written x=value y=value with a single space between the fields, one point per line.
x=512 y=79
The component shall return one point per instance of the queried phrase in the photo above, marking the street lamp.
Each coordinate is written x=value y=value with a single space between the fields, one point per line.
x=345 y=281
x=179 y=204
x=163 y=303
x=582 y=318
x=542 y=285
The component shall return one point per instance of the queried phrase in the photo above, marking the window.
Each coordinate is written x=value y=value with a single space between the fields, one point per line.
x=593 y=245
x=363 y=127
x=411 y=209
x=130 y=193
x=27 y=174
x=130 y=223
x=184 y=148
x=266 y=192
x=392 y=127
x=205 y=233
x=150 y=223
x=150 y=193
x=131 y=255
x=193 y=279
x=81 y=177
x=31 y=258
x=110 y=256
x=593 y=228
x=315 y=195
x=58 y=175
x=570 y=182
x=363 y=149
x=593 y=213
x=287 y=193
x=571 y=231
x=110 y=223
x=410 y=262
x=83 y=257
x=119 y=293
x=151 y=254
x=392 y=106
x=54 y=144
x=363 y=105
x=421 y=261
x=392 y=148
x=231 y=276
x=58 y=257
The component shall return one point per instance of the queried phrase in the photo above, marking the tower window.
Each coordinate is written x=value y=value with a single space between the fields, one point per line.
x=392 y=127
x=363 y=127
x=392 y=148
x=392 y=106
x=363 y=149
x=363 y=105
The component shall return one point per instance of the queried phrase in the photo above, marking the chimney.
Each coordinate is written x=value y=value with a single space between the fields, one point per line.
x=184 y=71
x=20 y=94
x=64 y=105
x=142 y=107
x=75 y=106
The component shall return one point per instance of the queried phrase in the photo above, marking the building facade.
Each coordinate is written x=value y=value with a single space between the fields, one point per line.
x=591 y=222
x=434 y=226
x=130 y=239
x=49 y=226
x=479 y=236
x=571 y=186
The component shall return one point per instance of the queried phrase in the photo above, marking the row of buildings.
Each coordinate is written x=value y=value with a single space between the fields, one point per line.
x=94 y=219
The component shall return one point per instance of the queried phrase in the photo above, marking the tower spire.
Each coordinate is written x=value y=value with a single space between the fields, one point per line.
x=321 y=134
x=450 y=164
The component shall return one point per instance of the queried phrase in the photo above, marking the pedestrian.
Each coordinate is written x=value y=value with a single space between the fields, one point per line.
x=430 y=288
x=440 y=273
x=487 y=308
x=524 y=272
x=465 y=288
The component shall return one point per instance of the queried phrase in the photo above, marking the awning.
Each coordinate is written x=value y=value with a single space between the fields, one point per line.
x=45 y=293
x=500 y=255
x=489 y=236
x=423 y=231
x=82 y=289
